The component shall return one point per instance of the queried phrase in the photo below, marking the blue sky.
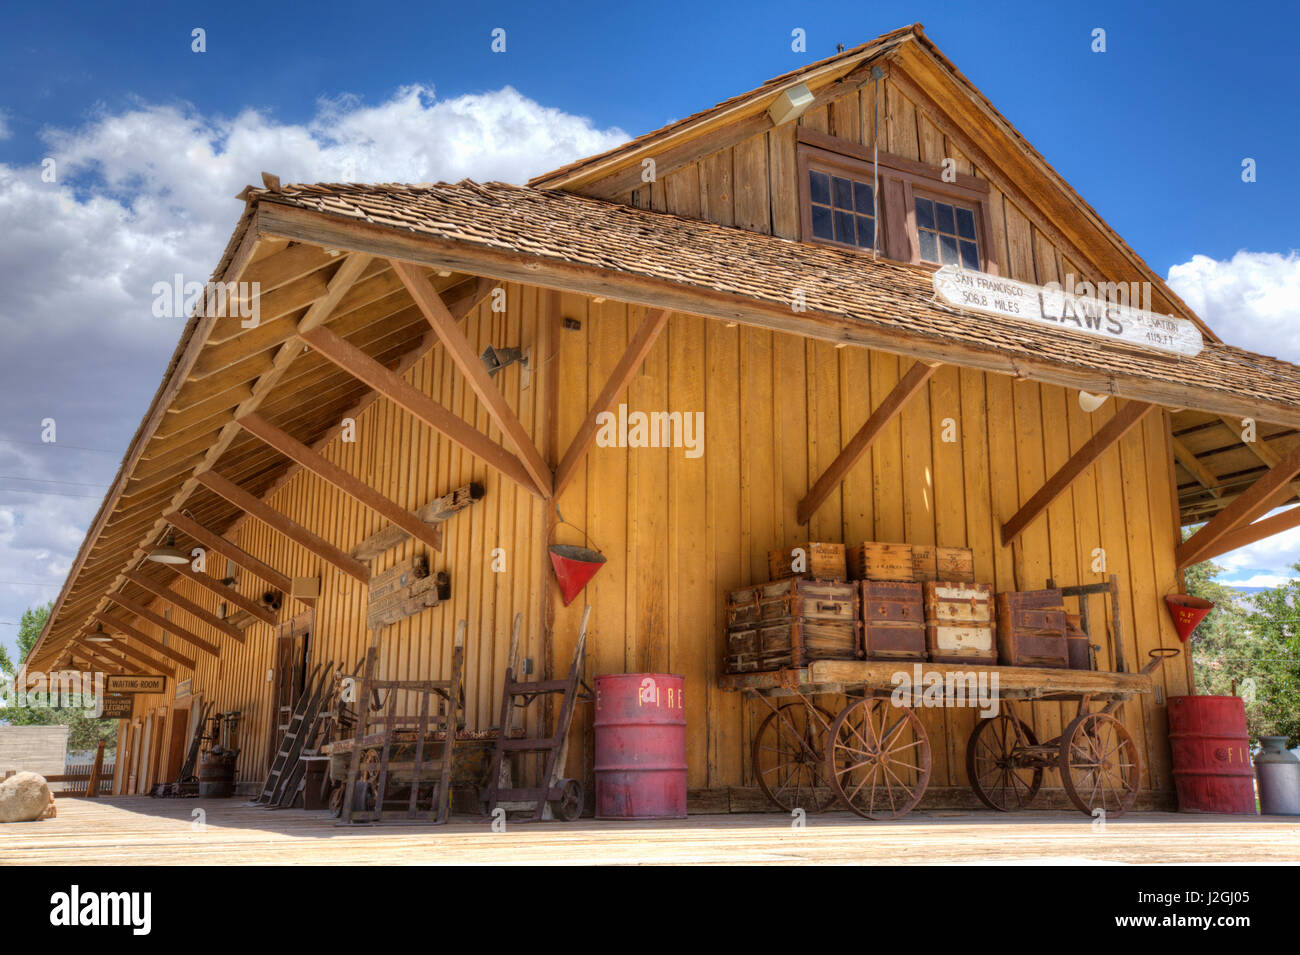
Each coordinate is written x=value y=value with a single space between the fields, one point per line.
x=153 y=141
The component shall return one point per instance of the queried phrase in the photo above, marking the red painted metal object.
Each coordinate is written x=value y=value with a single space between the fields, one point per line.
x=574 y=567
x=1211 y=754
x=1187 y=613
x=640 y=758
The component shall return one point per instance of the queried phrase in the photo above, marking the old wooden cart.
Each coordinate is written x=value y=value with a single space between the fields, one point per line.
x=873 y=755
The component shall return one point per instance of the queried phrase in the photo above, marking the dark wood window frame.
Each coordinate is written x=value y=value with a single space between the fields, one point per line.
x=900 y=181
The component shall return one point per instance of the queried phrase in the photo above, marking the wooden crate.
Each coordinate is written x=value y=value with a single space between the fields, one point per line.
x=791 y=642
x=872 y=560
x=955 y=563
x=1031 y=629
x=893 y=620
x=959 y=624
x=925 y=562
x=822 y=561
x=809 y=600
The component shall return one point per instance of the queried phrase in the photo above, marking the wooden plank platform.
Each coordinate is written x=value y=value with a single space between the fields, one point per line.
x=834 y=676
x=165 y=832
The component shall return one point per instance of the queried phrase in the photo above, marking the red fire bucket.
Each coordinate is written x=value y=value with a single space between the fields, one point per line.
x=1187 y=613
x=574 y=567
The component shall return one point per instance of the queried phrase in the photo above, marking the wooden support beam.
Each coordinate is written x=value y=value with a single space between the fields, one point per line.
x=101 y=660
x=462 y=353
x=229 y=594
x=1108 y=434
x=1250 y=533
x=437 y=511
x=160 y=589
x=1261 y=449
x=322 y=548
x=885 y=412
x=1204 y=476
x=122 y=627
x=305 y=457
x=401 y=392
x=215 y=542
x=637 y=350
x=1250 y=504
x=143 y=659
x=158 y=620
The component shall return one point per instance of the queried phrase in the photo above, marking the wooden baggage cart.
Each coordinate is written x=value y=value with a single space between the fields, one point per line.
x=874 y=755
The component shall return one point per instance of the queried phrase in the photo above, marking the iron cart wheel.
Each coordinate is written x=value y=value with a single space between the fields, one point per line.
x=1099 y=764
x=992 y=768
x=569 y=806
x=879 y=758
x=789 y=757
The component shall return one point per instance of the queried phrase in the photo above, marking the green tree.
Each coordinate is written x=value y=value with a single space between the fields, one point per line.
x=1274 y=625
x=84 y=733
x=1249 y=646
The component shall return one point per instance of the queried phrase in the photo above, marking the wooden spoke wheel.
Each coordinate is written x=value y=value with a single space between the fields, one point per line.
x=879 y=758
x=1099 y=764
x=369 y=768
x=569 y=806
x=789 y=757
x=336 y=800
x=991 y=764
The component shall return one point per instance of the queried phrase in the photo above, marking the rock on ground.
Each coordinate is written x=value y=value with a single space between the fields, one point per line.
x=24 y=797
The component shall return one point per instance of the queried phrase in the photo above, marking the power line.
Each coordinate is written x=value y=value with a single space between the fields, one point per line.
x=15 y=477
x=55 y=444
x=30 y=490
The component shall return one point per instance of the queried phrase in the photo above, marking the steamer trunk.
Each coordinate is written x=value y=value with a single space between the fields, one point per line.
x=959 y=622
x=1031 y=629
x=893 y=620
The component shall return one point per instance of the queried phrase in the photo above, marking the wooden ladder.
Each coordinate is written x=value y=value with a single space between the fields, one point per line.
x=290 y=742
x=517 y=695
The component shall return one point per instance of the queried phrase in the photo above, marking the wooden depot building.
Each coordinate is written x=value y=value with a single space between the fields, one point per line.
x=768 y=268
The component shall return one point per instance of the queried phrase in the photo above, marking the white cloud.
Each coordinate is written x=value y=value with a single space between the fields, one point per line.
x=1252 y=300
x=147 y=192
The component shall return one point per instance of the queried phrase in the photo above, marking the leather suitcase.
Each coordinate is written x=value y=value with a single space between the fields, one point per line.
x=1031 y=629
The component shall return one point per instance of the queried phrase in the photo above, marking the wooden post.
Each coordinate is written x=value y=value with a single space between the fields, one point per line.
x=92 y=787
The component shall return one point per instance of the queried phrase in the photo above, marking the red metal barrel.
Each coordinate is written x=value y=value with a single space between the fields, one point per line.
x=1211 y=754
x=640 y=754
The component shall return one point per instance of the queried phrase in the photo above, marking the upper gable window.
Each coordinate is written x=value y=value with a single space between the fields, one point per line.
x=945 y=232
x=841 y=208
x=916 y=215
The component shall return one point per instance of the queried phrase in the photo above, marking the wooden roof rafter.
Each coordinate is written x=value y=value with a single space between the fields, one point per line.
x=124 y=627
x=158 y=620
x=348 y=483
x=460 y=351
x=1259 y=498
x=308 y=540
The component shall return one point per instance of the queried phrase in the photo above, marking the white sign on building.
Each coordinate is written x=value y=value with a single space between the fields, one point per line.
x=1080 y=315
